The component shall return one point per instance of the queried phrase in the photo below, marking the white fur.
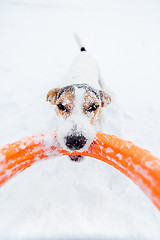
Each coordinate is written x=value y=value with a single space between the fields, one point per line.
x=83 y=70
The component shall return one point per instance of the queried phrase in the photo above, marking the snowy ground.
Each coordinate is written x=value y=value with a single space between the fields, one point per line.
x=58 y=198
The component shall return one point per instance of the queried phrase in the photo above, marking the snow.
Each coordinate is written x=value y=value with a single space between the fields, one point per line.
x=58 y=198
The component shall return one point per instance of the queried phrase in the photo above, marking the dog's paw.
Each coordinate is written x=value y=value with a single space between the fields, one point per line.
x=76 y=158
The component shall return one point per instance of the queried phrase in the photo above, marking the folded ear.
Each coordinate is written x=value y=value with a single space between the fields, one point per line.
x=51 y=96
x=105 y=98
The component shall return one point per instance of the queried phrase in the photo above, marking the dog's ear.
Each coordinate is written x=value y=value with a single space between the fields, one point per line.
x=51 y=96
x=105 y=98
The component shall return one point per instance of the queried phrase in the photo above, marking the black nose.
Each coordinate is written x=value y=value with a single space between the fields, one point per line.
x=75 y=142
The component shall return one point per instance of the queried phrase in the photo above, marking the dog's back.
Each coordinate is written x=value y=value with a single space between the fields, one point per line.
x=83 y=69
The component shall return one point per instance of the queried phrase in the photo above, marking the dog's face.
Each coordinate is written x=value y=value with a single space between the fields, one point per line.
x=78 y=107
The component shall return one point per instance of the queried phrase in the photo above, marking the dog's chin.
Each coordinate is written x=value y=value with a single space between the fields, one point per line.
x=76 y=158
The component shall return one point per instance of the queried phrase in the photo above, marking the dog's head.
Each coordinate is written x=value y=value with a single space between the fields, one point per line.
x=78 y=107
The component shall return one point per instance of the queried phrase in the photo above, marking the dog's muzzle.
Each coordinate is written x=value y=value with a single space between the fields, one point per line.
x=75 y=142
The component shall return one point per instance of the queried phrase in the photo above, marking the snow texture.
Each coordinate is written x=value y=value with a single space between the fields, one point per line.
x=57 y=198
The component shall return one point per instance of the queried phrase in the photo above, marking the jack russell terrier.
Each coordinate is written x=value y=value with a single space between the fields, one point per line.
x=78 y=104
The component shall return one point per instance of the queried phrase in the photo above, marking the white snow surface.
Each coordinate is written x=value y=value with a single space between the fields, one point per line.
x=57 y=198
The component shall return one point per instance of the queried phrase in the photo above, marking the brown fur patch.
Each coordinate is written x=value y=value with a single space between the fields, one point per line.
x=66 y=99
x=105 y=98
x=51 y=96
x=95 y=118
x=88 y=101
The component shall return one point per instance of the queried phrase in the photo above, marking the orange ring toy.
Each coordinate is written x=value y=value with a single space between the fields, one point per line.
x=136 y=163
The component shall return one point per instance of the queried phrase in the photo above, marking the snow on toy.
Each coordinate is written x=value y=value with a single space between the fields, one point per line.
x=136 y=163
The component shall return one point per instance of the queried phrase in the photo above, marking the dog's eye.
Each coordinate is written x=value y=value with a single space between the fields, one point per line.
x=92 y=108
x=62 y=107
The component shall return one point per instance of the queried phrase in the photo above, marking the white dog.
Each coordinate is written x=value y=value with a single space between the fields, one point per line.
x=79 y=102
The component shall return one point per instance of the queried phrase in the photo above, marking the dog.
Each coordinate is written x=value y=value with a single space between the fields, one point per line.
x=79 y=103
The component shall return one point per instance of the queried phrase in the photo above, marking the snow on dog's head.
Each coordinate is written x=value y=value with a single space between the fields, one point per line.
x=78 y=108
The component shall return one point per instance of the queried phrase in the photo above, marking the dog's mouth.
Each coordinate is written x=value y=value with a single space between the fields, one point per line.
x=76 y=158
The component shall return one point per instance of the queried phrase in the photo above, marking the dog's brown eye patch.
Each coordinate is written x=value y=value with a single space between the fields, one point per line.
x=62 y=107
x=93 y=107
x=64 y=104
x=91 y=103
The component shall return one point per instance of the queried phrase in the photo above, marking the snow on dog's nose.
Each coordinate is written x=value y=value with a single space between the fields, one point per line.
x=75 y=142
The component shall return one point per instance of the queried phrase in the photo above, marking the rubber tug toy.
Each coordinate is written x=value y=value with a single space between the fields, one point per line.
x=136 y=163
